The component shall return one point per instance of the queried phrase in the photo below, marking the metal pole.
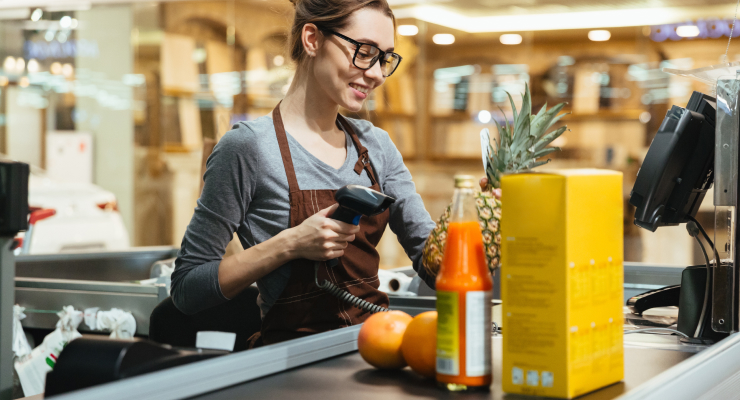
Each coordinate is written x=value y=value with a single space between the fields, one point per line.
x=7 y=298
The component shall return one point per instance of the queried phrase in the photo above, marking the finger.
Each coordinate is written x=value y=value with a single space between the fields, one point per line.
x=328 y=210
x=483 y=183
x=344 y=238
x=497 y=193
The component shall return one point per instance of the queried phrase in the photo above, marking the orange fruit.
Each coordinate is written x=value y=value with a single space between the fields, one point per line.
x=419 y=346
x=380 y=337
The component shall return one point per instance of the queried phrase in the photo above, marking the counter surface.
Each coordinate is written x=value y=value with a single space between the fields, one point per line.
x=349 y=376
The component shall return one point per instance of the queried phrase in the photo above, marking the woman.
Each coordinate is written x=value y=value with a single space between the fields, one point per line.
x=272 y=181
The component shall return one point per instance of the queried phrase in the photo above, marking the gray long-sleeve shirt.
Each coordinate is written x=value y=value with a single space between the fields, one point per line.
x=246 y=191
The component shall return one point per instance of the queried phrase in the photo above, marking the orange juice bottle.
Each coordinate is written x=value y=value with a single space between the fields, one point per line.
x=464 y=287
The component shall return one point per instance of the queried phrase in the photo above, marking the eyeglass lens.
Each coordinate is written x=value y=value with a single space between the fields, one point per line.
x=367 y=55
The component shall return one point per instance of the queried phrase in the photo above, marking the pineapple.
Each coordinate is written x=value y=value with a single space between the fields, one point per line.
x=517 y=149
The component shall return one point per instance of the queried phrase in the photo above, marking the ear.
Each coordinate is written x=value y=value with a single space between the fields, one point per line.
x=311 y=38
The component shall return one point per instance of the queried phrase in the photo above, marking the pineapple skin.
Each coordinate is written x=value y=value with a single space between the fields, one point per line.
x=489 y=218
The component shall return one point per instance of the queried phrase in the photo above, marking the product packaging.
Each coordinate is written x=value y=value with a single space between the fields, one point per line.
x=33 y=368
x=562 y=274
x=21 y=348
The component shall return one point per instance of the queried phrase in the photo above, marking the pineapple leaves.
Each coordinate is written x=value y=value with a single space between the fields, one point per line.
x=521 y=142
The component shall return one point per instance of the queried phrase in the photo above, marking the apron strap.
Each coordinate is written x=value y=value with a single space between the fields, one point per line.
x=284 y=149
x=363 y=159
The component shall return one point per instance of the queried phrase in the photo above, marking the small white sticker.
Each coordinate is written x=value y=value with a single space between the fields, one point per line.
x=547 y=380
x=533 y=378
x=517 y=376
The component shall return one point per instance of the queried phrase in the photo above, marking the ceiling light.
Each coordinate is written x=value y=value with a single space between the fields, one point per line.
x=687 y=31
x=3 y=81
x=68 y=70
x=278 y=61
x=49 y=35
x=33 y=66
x=443 y=38
x=65 y=22
x=23 y=82
x=565 y=20
x=510 y=38
x=36 y=14
x=407 y=30
x=484 y=116
x=9 y=64
x=56 y=68
x=62 y=37
x=74 y=23
x=599 y=35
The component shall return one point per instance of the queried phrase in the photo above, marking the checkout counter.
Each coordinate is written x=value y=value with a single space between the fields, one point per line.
x=328 y=366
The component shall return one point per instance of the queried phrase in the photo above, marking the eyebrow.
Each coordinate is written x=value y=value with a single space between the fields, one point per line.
x=374 y=43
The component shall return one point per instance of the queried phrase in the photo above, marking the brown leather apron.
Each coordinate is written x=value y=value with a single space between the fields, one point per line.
x=303 y=308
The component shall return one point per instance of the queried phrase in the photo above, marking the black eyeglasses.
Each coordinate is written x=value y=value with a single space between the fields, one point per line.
x=366 y=55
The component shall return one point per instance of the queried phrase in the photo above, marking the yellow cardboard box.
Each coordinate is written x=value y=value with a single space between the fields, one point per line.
x=562 y=273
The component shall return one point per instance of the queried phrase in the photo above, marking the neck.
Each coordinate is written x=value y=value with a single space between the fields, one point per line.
x=306 y=104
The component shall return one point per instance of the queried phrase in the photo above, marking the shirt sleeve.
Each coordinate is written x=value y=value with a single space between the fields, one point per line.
x=409 y=219
x=220 y=210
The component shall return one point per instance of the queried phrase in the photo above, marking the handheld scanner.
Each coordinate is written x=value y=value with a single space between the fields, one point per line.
x=356 y=201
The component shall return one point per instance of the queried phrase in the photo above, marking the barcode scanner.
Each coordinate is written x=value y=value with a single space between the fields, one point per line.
x=356 y=201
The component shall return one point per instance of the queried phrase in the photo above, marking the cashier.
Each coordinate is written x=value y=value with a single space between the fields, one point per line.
x=272 y=181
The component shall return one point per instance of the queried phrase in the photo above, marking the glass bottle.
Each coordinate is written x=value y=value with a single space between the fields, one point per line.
x=464 y=287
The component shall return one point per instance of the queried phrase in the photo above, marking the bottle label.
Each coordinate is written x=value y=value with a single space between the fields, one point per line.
x=448 y=333
x=478 y=333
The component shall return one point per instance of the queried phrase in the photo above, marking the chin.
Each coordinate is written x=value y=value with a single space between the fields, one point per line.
x=353 y=106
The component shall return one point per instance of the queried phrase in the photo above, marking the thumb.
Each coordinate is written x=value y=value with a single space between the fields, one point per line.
x=329 y=210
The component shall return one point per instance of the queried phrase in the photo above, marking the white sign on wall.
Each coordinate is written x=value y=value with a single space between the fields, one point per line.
x=69 y=156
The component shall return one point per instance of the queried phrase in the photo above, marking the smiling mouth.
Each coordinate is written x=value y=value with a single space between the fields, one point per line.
x=359 y=88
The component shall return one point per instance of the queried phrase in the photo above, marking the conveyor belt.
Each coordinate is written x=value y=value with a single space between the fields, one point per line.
x=349 y=377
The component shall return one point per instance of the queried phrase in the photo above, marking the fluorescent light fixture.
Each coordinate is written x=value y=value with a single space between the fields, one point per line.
x=37 y=14
x=49 y=35
x=510 y=38
x=484 y=116
x=278 y=61
x=443 y=38
x=20 y=65
x=566 y=20
x=599 y=35
x=407 y=30
x=687 y=31
x=15 y=13
x=74 y=23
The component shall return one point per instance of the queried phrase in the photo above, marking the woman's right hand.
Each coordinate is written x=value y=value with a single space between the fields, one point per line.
x=320 y=238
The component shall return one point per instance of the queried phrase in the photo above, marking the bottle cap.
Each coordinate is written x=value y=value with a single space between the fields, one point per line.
x=464 y=181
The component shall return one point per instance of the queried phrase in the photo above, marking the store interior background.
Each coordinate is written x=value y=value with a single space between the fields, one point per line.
x=149 y=84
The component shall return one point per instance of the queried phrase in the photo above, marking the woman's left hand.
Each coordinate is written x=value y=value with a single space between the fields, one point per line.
x=484 y=183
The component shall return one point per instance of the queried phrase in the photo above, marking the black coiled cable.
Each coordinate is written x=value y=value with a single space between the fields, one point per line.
x=344 y=295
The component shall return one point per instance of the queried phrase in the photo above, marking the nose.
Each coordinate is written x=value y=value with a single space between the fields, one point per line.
x=376 y=73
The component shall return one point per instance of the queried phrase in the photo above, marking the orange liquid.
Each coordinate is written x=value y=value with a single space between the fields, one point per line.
x=464 y=268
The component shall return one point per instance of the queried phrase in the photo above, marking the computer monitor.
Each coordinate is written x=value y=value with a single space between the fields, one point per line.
x=679 y=166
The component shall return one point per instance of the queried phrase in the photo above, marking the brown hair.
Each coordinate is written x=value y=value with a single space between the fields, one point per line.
x=326 y=14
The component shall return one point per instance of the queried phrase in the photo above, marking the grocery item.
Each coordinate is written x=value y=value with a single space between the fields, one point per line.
x=561 y=279
x=419 y=346
x=464 y=287
x=517 y=149
x=380 y=338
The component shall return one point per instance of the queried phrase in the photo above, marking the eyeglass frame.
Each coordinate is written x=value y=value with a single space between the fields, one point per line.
x=358 y=45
